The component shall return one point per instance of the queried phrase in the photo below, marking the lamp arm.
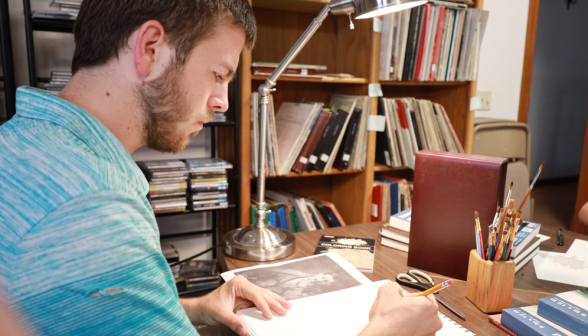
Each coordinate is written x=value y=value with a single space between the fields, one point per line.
x=265 y=89
x=264 y=92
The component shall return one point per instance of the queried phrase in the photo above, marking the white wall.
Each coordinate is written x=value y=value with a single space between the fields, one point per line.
x=559 y=91
x=501 y=57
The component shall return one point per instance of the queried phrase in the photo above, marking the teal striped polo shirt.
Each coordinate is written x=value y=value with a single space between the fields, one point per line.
x=79 y=245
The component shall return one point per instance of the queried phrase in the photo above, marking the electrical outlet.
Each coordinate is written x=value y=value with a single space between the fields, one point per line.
x=486 y=98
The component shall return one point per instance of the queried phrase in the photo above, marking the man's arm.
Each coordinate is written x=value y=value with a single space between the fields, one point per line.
x=583 y=214
x=94 y=267
x=219 y=307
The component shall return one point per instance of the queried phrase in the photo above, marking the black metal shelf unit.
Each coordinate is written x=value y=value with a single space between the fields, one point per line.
x=66 y=26
x=7 y=61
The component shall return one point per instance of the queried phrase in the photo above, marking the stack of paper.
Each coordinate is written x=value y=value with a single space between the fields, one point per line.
x=569 y=268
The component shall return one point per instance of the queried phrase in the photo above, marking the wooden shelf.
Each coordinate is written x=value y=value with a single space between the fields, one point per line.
x=353 y=80
x=414 y=83
x=53 y=25
x=383 y=168
x=280 y=24
x=333 y=171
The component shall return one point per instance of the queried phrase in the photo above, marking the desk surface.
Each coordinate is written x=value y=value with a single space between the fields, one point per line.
x=389 y=262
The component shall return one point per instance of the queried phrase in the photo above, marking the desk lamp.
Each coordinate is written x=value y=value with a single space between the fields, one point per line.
x=259 y=241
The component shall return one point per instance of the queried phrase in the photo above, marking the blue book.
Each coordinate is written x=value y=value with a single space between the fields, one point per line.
x=526 y=322
x=569 y=310
x=282 y=217
x=394 y=201
x=272 y=219
x=524 y=236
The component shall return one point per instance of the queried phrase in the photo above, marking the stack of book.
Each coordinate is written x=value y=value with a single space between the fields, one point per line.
x=58 y=81
x=167 y=185
x=439 y=41
x=68 y=10
x=396 y=232
x=390 y=195
x=413 y=125
x=201 y=274
x=306 y=137
x=526 y=244
x=298 y=70
x=208 y=183
x=296 y=213
x=560 y=314
x=171 y=255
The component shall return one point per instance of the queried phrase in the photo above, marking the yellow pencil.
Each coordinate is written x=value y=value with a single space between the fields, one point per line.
x=440 y=286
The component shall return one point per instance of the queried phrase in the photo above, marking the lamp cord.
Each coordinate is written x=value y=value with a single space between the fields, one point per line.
x=197 y=255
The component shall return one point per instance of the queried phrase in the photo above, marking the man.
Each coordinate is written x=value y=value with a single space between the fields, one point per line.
x=79 y=245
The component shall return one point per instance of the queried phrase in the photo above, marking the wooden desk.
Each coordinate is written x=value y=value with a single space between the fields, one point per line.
x=389 y=262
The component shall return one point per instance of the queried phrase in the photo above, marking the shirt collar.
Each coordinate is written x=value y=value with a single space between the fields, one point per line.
x=35 y=103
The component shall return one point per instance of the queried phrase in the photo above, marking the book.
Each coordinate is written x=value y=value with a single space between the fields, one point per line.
x=394 y=196
x=393 y=244
x=526 y=233
x=360 y=252
x=328 y=152
x=377 y=201
x=312 y=141
x=398 y=228
x=267 y=68
x=344 y=156
x=569 y=310
x=527 y=321
x=496 y=320
x=530 y=248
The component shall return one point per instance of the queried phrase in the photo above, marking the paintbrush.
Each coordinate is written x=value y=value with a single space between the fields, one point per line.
x=530 y=187
x=508 y=195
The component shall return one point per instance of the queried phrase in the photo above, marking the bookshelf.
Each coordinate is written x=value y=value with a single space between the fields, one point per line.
x=342 y=50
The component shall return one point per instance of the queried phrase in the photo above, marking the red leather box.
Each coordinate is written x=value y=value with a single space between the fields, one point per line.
x=448 y=189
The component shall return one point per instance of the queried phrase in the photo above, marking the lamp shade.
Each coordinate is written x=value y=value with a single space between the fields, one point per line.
x=370 y=8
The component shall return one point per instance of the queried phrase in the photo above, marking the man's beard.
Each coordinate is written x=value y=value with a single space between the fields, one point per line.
x=164 y=109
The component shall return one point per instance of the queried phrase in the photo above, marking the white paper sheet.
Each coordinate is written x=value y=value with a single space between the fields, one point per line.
x=562 y=267
x=312 y=315
x=340 y=313
x=579 y=248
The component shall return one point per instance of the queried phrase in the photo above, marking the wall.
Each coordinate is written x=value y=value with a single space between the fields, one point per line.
x=501 y=57
x=559 y=99
x=53 y=51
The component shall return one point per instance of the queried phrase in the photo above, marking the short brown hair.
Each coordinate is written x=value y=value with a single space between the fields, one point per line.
x=103 y=27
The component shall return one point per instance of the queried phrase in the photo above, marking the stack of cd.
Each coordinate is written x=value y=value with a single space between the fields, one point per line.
x=68 y=10
x=220 y=117
x=58 y=81
x=67 y=6
x=167 y=185
x=208 y=183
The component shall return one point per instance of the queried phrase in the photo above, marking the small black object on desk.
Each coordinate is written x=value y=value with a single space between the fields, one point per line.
x=560 y=238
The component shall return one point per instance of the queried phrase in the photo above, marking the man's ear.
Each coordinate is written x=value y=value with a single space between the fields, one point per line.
x=151 y=49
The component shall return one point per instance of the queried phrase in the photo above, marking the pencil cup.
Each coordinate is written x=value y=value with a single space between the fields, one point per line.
x=490 y=283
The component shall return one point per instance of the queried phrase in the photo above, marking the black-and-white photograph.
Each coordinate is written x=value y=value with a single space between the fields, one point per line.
x=302 y=278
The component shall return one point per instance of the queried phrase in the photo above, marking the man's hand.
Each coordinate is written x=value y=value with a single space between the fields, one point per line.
x=219 y=307
x=394 y=314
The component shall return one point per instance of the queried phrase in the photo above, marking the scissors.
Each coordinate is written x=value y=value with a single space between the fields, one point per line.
x=422 y=281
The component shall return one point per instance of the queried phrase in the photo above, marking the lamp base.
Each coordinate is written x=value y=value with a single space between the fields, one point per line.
x=260 y=243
